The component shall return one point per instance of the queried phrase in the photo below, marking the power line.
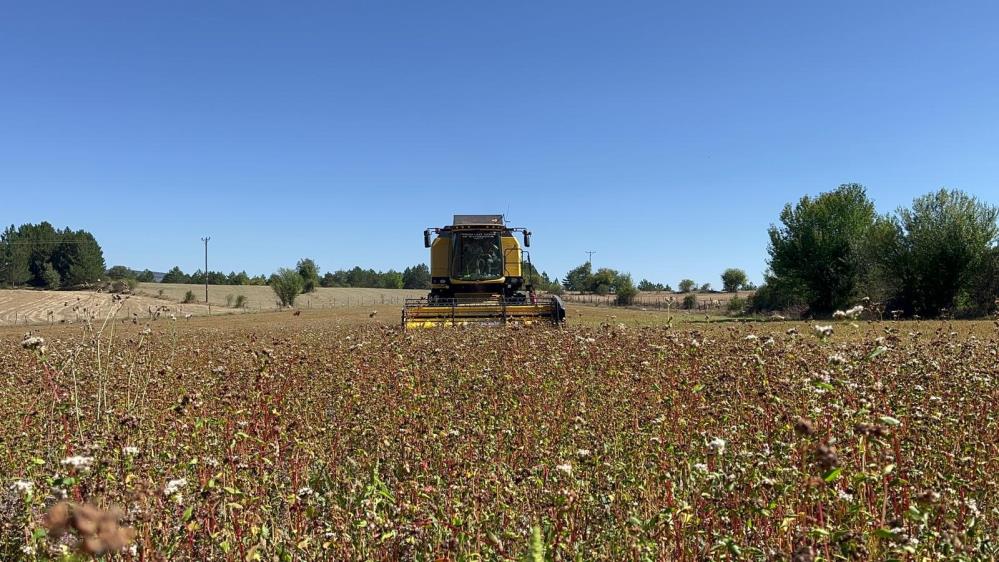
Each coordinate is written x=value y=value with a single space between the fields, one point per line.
x=52 y=242
x=589 y=257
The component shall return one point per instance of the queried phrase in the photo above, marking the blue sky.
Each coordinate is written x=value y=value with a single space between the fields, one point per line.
x=665 y=136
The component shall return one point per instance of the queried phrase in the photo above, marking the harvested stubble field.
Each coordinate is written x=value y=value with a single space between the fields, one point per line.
x=261 y=297
x=293 y=438
x=22 y=306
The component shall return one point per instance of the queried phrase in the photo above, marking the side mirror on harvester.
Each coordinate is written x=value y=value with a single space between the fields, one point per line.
x=527 y=239
x=426 y=238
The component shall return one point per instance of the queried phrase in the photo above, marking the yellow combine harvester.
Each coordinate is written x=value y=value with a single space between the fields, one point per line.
x=477 y=277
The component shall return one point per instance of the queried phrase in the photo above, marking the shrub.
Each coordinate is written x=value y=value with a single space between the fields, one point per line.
x=689 y=302
x=737 y=305
x=188 y=297
x=626 y=295
x=240 y=301
x=124 y=285
x=228 y=300
x=287 y=284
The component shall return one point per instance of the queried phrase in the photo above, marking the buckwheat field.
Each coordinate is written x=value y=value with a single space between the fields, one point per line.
x=305 y=439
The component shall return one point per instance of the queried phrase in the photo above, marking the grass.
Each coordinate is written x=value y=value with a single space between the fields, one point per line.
x=322 y=436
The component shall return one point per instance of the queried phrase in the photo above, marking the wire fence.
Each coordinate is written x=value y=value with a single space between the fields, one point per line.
x=656 y=301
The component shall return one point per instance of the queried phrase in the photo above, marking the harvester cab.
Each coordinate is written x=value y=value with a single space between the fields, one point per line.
x=479 y=274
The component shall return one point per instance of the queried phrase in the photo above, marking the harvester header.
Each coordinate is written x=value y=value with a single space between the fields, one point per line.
x=477 y=275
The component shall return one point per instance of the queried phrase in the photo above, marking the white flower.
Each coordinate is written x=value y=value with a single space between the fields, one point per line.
x=173 y=317
x=583 y=453
x=36 y=343
x=718 y=445
x=305 y=491
x=837 y=359
x=130 y=450
x=174 y=486
x=701 y=467
x=566 y=468
x=78 y=462
x=695 y=343
x=823 y=331
x=845 y=496
x=22 y=487
x=839 y=315
x=751 y=337
x=855 y=312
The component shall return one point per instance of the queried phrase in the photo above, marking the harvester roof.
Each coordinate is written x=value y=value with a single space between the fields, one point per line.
x=478 y=220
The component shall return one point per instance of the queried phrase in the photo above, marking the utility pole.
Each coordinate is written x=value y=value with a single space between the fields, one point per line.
x=589 y=257
x=205 y=240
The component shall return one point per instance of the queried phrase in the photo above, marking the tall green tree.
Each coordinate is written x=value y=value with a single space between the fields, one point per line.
x=391 y=279
x=579 y=279
x=624 y=289
x=175 y=275
x=14 y=270
x=287 y=284
x=310 y=274
x=51 y=277
x=416 y=277
x=816 y=248
x=946 y=240
x=687 y=285
x=733 y=279
x=120 y=272
x=31 y=249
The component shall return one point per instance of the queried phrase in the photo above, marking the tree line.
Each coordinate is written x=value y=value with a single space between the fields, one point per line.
x=39 y=255
x=940 y=256
x=415 y=277
x=604 y=281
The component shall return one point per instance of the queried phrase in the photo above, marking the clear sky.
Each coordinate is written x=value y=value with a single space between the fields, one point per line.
x=665 y=136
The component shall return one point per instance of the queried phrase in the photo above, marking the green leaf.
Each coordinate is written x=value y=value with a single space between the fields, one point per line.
x=697 y=388
x=833 y=474
x=888 y=420
x=188 y=513
x=880 y=349
x=885 y=534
